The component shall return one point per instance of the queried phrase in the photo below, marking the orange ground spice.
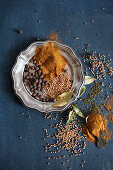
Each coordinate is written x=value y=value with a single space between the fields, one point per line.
x=49 y=57
x=111 y=118
x=109 y=104
x=87 y=134
x=95 y=125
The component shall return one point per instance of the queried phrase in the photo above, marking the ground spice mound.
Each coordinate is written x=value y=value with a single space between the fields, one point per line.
x=105 y=122
x=95 y=124
x=109 y=104
x=87 y=134
x=68 y=135
x=111 y=118
x=58 y=85
x=50 y=59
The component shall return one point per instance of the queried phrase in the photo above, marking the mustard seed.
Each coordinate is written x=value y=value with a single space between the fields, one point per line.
x=39 y=21
x=19 y=31
x=82 y=165
x=20 y=137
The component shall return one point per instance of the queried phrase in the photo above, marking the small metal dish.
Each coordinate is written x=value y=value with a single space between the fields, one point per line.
x=76 y=72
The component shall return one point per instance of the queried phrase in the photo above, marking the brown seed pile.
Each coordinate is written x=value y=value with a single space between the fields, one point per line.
x=98 y=64
x=68 y=135
x=58 y=85
x=110 y=69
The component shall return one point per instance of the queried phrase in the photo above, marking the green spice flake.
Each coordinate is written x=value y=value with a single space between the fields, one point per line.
x=95 y=90
x=95 y=108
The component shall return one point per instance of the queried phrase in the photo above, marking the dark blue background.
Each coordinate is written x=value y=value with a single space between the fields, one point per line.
x=68 y=17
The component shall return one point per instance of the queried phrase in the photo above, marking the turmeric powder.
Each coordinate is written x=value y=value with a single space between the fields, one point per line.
x=50 y=59
x=94 y=126
x=109 y=104
x=111 y=118
x=87 y=134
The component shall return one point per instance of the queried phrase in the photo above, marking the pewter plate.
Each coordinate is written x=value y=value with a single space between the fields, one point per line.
x=74 y=66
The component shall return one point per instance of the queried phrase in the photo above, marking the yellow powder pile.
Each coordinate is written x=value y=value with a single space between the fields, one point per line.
x=50 y=59
x=109 y=104
x=87 y=134
x=95 y=125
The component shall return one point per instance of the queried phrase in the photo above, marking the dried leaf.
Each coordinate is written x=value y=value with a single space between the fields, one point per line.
x=82 y=91
x=63 y=99
x=71 y=116
x=60 y=103
x=89 y=80
x=78 y=112
x=64 y=95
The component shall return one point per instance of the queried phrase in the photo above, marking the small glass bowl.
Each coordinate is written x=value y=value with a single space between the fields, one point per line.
x=76 y=72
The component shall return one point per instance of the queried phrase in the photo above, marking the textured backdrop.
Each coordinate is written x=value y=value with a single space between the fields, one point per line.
x=73 y=19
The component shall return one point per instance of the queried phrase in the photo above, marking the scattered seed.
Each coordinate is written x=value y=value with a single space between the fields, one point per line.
x=92 y=21
x=28 y=116
x=76 y=38
x=20 y=137
x=67 y=160
x=38 y=21
x=83 y=160
x=98 y=35
x=19 y=31
x=22 y=113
